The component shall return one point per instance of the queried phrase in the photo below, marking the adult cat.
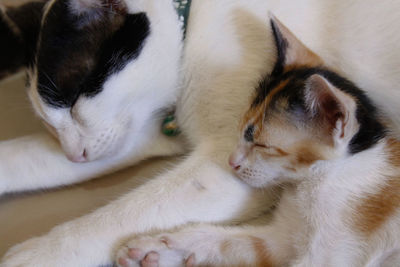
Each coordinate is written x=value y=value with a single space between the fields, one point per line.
x=87 y=83
x=228 y=50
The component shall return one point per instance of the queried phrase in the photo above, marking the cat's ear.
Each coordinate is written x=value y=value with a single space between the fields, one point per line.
x=290 y=50
x=91 y=12
x=97 y=7
x=334 y=110
x=19 y=31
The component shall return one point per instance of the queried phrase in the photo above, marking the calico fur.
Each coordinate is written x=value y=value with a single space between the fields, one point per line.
x=228 y=50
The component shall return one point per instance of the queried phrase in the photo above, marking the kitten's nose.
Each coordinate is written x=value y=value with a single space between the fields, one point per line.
x=233 y=162
x=78 y=158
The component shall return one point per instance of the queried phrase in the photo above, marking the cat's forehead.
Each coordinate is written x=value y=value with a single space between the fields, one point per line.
x=278 y=104
x=276 y=96
x=283 y=91
x=78 y=52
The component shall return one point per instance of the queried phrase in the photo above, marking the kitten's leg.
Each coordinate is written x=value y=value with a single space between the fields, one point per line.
x=208 y=245
x=37 y=161
x=199 y=190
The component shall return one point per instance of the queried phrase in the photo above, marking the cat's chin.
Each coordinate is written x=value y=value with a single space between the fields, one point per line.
x=260 y=182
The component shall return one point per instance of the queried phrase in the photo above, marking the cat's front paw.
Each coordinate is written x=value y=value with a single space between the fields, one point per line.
x=159 y=251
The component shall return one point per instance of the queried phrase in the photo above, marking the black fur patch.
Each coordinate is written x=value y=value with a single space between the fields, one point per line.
x=17 y=46
x=77 y=53
x=281 y=46
x=117 y=51
x=269 y=83
x=371 y=130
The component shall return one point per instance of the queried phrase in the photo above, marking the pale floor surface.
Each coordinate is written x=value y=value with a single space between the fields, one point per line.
x=27 y=215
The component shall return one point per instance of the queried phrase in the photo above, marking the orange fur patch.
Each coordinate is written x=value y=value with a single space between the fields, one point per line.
x=259 y=247
x=273 y=92
x=261 y=251
x=256 y=115
x=281 y=152
x=307 y=155
x=375 y=209
x=393 y=149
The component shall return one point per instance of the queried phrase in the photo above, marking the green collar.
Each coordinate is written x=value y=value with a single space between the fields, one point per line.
x=183 y=9
x=169 y=125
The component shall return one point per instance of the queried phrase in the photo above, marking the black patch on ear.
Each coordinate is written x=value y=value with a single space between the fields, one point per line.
x=249 y=133
x=17 y=46
x=281 y=47
x=76 y=58
x=371 y=129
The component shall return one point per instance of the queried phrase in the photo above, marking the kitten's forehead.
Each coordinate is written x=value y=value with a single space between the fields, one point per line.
x=77 y=53
x=274 y=95
x=278 y=103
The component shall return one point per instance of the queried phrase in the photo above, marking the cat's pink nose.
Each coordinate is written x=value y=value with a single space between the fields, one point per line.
x=234 y=163
x=78 y=158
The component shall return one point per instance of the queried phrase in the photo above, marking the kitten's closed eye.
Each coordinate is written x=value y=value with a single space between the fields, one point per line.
x=261 y=145
x=271 y=151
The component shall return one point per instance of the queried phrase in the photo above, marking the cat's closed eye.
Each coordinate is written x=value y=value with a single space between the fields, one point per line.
x=270 y=151
x=260 y=145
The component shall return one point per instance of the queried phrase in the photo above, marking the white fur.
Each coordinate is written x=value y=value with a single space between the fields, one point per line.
x=312 y=225
x=228 y=48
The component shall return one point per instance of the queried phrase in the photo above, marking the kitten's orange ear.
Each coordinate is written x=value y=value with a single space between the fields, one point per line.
x=291 y=51
x=335 y=110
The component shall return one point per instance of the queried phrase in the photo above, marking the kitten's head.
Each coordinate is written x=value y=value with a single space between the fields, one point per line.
x=92 y=74
x=302 y=113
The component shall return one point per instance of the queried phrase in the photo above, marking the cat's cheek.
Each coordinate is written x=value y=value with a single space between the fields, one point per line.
x=51 y=129
x=265 y=175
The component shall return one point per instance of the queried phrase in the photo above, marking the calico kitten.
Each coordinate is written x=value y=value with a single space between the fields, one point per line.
x=317 y=135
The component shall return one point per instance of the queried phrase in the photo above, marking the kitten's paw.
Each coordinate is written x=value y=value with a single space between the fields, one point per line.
x=161 y=251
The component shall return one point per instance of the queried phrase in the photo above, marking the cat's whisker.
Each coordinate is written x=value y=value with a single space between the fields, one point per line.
x=50 y=80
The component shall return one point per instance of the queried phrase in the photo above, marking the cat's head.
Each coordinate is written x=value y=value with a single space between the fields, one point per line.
x=98 y=70
x=301 y=114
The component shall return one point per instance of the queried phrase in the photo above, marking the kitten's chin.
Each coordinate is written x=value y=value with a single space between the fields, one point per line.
x=259 y=177
x=260 y=181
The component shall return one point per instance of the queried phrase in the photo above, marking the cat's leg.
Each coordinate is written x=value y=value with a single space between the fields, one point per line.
x=208 y=245
x=263 y=242
x=37 y=161
x=198 y=190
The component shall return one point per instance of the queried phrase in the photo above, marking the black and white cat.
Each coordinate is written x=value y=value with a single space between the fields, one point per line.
x=104 y=69
x=87 y=84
